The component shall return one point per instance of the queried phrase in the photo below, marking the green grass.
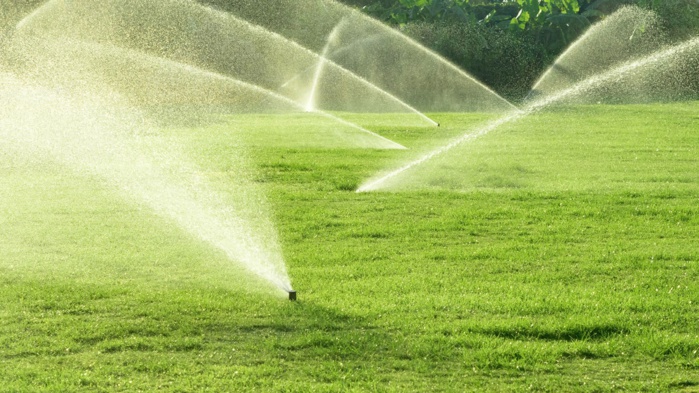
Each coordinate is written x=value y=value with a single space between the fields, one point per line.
x=578 y=270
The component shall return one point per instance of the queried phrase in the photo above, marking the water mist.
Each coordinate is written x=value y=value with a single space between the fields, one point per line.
x=650 y=74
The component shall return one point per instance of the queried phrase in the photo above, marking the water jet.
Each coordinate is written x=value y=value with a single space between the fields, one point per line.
x=630 y=32
x=667 y=61
x=190 y=33
x=154 y=82
x=96 y=134
x=324 y=55
x=379 y=53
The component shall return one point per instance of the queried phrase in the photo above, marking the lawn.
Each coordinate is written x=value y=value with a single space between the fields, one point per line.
x=559 y=253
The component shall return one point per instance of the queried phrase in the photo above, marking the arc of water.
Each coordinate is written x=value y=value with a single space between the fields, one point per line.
x=614 y=30
x=190 y=68
x=331 y=54
x=86 y=132
x=326 y=61
x=321 y=62
x=580 y=88
x=434 y=55
x=565 y=53
x=332 y=37
x=390 y=144
x=37 y=11
x=415 y=45
x=143 y=56
x=377 y=183
x=310 y=105
x=659 y=56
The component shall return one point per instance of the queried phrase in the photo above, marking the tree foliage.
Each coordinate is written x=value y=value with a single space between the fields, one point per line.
x=508 y=43
x=567 y=17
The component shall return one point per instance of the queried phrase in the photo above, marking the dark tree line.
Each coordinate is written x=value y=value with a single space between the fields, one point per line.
x=507 y=44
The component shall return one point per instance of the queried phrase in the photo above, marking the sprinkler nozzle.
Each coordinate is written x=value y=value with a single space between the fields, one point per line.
x=292 y=296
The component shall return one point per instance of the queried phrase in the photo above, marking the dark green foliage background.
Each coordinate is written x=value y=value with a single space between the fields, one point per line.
x=495 y=42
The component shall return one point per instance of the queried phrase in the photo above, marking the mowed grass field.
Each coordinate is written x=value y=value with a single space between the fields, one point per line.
x=560 y=253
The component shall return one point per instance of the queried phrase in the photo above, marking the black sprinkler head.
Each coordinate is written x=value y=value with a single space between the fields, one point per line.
x=292 y=296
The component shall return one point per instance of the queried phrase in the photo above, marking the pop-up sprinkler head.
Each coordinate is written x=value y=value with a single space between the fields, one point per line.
x=292 y=296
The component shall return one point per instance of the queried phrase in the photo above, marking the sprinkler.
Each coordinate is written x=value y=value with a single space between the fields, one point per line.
x=292 y=296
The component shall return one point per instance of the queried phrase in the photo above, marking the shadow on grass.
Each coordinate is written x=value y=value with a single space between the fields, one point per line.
x=56 y=319
x=591 y=332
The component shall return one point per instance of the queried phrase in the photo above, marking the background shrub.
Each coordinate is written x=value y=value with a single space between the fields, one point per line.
x=507 y=63
x=508 y=44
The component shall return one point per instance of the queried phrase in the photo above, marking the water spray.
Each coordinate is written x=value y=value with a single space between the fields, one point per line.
x=332 y=38
x=543 y=102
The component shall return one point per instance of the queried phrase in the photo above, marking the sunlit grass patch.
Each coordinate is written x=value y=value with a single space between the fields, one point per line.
x=581 y=277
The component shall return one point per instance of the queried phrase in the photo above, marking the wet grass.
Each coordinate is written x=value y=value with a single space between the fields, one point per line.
x=547 y=286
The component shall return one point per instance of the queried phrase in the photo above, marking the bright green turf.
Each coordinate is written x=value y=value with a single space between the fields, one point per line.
x=516 y=284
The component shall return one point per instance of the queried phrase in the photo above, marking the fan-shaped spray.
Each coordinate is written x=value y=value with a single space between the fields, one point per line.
x=655 y=74
x=189 y=33
x=379 y=54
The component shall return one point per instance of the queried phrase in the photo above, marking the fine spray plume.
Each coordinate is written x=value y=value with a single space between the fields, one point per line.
x=86 y=104
x=633 y=67
x=90 y=94
x=376 y=53
x=87 y=93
